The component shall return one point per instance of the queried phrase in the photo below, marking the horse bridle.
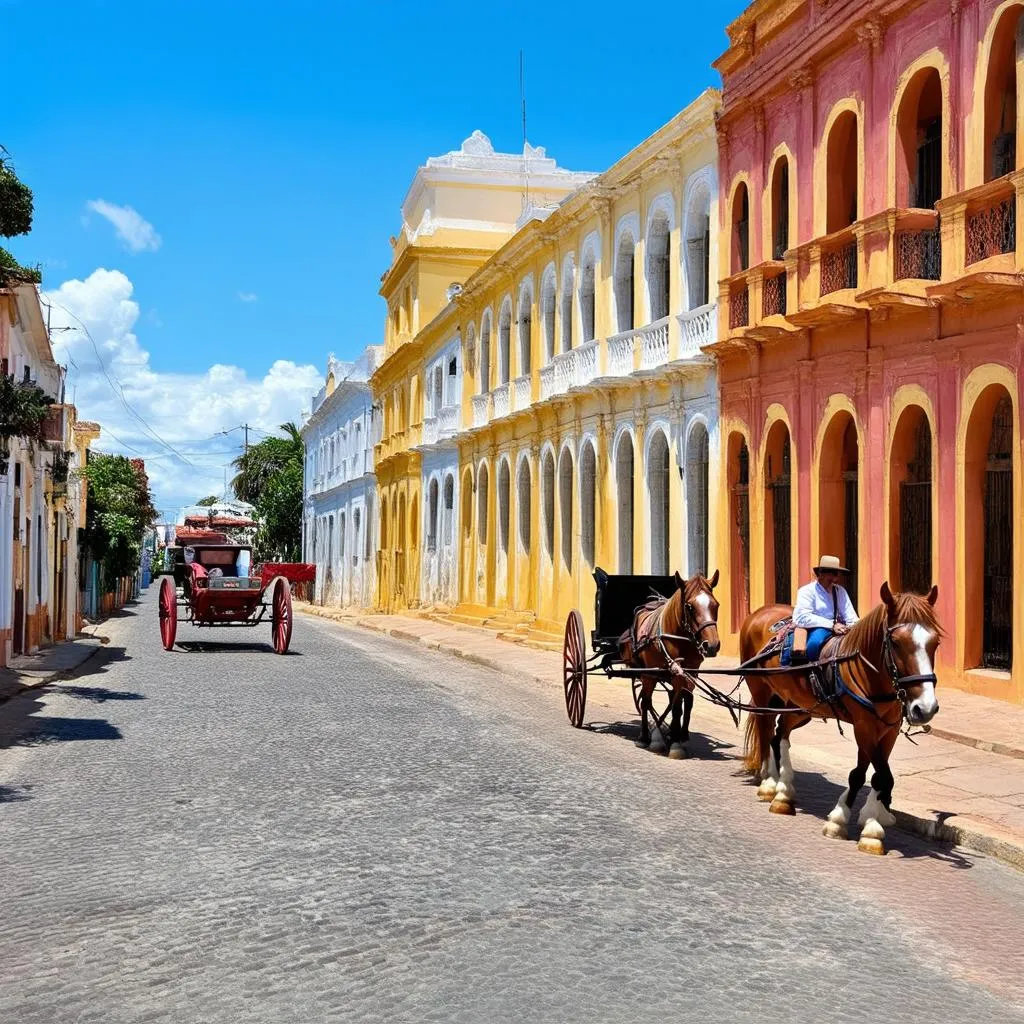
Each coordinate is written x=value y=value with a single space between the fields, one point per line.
x=899 y=682
x=693 y=632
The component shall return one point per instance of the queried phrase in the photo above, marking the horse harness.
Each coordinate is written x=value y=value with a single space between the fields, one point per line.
x=651 y=632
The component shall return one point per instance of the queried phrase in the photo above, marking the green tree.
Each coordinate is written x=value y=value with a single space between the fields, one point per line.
x=119 y=508
x=210 y=499
x=279 y=510
x=16 y=208
x=264 y=460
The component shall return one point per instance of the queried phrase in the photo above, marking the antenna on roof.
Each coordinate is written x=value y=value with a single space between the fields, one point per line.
x=522 y=101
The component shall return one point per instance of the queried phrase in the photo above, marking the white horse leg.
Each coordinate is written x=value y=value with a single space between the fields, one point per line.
x=837 y=824
x=875 y=818
x=769 y=778
x=785 y=790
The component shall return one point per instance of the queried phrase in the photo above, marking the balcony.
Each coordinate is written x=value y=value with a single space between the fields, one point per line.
x=773 y=296
x=918 y=254
x=481 y=409
x=620 y=353
x=981 y=252
x=827 y=271
x=654 y=344
x=902 y=255
x=501 y=396
x=522 y=392
x=547 y=381
x=53 y=425
x=697 y=329
x=739 y=305
x=839 y=266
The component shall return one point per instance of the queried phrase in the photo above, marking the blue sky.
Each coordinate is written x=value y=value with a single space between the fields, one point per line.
x=269 y=148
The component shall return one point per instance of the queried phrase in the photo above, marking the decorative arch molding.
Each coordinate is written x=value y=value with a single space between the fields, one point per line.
x=658 y=426
x=975 y=128
x=549 y=447
x=665 y=204
x=700 y=184
x=591 y=247
x=775 y=413
x=836 y=404
x=623 y=428
x=848 y=104
x=627 y=223
x=935 y=60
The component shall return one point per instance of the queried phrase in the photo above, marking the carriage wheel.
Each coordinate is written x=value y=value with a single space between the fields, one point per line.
x=574 y=661
x=168 y=612
x=281 y=617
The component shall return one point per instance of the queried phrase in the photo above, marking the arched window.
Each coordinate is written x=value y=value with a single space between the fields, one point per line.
x=547 y=313
x=523 y=498
x=568 y=284
x=739 y=518
x=356 y=525
x=624 y=486
x=838 y=508
x=588 y=501
x=482 y=485
x=988 y=504
x=504 y=341
x=698 y=247
x=780 y=208
x=565 y=506
x=910 y=502
x=778 y=520
x=587 y=296
x=1001 y=95
x=841 y=173
x=432 y=512
x=449 y=510
x=383 y=524
x=438 y=389
x=368 y=547
x=547 y=497
x=485 y=353
x=919 y=142
x=525 y=325
x=658 y=500
x=740 y=229
x=341 y=538
x=504 y=488
x=659 y=242
x=697 y=499
x=624 y=289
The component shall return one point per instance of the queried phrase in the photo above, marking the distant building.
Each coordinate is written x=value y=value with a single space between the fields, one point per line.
x=339 y=518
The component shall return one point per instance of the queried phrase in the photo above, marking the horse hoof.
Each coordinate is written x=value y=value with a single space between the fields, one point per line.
x=873 y=846
x=766 y=792
x=834 y=830
x=781 y=807
x=677 y=752
x=643 y=744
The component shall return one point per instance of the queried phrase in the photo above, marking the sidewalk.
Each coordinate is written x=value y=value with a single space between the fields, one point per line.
x=963 y=783
x=48 y=663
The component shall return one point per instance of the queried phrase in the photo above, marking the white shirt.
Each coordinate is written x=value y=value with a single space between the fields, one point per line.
x=815 y=609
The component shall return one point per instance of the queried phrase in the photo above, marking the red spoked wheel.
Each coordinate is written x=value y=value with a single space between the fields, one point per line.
x=281 y=615
x=574 y=663
x=168 y=612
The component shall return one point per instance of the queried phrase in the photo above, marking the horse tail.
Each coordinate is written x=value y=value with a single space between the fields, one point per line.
x=757 y=741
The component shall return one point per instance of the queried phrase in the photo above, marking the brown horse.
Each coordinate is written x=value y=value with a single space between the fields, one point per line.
x=892 y=680
x=675 y=634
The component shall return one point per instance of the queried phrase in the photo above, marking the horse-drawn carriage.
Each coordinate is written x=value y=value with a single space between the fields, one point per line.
x=212 y=585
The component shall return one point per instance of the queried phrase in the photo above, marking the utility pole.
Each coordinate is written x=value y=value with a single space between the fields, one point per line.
x=245 y=449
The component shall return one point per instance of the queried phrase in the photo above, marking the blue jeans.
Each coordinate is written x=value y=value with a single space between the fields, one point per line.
x=816 y=639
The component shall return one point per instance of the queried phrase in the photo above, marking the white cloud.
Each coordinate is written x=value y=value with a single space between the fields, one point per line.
x=248 y=296
x=184 y=408
x=137 y=234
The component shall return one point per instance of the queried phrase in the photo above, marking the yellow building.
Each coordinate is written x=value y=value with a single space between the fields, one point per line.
x=546 y=404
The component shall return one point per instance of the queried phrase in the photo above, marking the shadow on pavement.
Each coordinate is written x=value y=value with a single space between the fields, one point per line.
x=215 y=647
x=97 y=694
x=699 y=746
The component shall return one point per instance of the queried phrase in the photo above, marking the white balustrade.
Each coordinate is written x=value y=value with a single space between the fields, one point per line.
x=585 y=363
x=430 y=429
x=563 y=364
x=481 y=409
x=699 y=328
x=501 y=400
x=654 y=344
x=620 y=354
x=547 y=381
x=448 y=421
x=522 y=392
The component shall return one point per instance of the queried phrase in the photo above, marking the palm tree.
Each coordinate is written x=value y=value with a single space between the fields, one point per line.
x=265 y=460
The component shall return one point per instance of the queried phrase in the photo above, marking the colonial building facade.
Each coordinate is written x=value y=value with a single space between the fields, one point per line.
x=872 y=174
x=339 y=524
x=550 y=408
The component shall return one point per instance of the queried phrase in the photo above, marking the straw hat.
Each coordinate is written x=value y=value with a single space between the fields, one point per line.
x=830 y=563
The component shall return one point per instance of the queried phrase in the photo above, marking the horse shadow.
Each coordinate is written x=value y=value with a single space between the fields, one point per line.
x=698 y=746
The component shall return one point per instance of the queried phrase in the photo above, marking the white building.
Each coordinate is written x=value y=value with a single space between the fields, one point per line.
x=340 y=490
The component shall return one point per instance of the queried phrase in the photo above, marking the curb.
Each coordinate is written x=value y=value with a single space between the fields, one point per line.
x=1009 y=850
x=978 y=744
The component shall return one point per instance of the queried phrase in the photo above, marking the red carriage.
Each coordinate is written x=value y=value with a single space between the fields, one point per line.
x=212 y=586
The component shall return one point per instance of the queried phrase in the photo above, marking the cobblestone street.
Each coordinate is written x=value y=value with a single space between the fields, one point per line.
x=366 y=831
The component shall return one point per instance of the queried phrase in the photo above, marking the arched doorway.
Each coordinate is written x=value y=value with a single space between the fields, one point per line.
x=838 y=497
x=910 y=474
x=565 y=489
x=482 y=512
x=588 y=501
x=778 y=519
x=697 y=500
x=989 y=532
x=739 y=518
x=504 y=515
x=624 y=288
x=624 y=486
x=658 y=502
x=1001 y=95
x=841 y=172
x=659 y=246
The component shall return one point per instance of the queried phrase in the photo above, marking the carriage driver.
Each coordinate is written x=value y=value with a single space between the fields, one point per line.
x=824 y=607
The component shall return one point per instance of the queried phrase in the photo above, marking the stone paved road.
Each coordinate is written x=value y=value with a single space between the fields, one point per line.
x=365 y=831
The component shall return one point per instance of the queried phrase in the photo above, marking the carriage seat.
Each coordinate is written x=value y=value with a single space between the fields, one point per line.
x=223 y=560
